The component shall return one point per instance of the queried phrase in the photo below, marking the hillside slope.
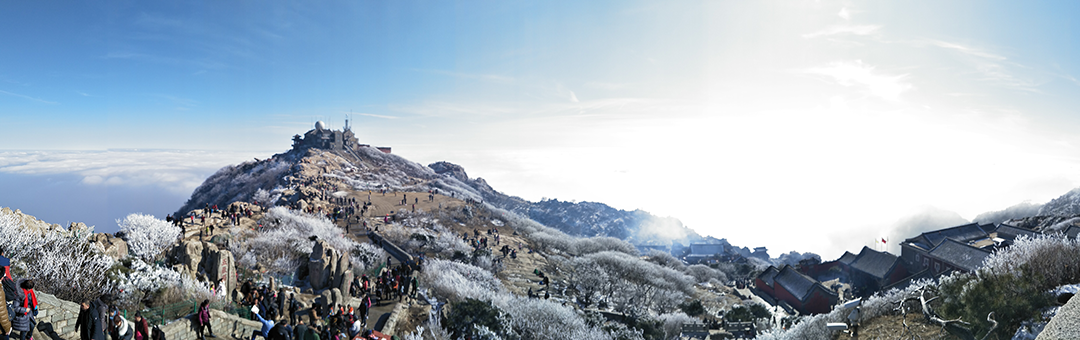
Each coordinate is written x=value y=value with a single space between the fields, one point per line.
x=366 y=168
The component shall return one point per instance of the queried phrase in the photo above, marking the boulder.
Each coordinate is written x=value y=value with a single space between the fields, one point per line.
x=188 y=254
x=343 y=265
x=336 y=299
x=346 y=280
x=114 y=247
x=324 y=301
x=323 y=265
x=220 y=267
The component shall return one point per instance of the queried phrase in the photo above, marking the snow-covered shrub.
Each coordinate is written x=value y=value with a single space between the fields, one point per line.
x=420 y=232
x=1051 y=259
x=1013 y=282
x=702 y=273
x=546 y=319
x=284 y=243
x=455 y=281
x=664 y=259
x=673 y=323
x=147 y=236
x=148 y=279
x=61 y=263
x=635 y=283
x=591 y=245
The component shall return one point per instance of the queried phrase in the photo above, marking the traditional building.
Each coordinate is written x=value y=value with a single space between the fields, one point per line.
x=333 y=140
x=872 y=269
x=802 y=292
x=958 y=248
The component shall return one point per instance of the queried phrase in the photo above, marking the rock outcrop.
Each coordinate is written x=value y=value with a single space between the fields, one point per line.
x=205 y=261
x=327 y=267
x=113 y=246
x=187 y=256
x=219 y=266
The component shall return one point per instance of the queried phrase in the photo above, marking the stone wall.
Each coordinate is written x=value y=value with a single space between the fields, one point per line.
x=225 y=326
x=56 y=320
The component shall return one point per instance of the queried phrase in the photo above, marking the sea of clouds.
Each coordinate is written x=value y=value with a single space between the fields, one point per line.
x=99 y=187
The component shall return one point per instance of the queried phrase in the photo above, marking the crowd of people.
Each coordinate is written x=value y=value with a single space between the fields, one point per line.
x=279 y=314
x=325 y=321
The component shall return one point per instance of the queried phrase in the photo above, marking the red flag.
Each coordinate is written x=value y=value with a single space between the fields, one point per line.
x=883 y=241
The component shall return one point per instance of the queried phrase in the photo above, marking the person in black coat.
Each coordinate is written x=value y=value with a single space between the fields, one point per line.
x=99 y=318
x=299 y=331
x=25 y=308
x=82 y=324
x=278 y=332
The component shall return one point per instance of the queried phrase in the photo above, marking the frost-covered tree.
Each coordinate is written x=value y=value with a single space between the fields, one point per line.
x=145 y=279
x=673 y=323
x=587 y=278
x=664 y=259
x=634 y=283
x=702 y=273
x=455 y=281
x=147 y=236
x=63 y=264
x=285 y=242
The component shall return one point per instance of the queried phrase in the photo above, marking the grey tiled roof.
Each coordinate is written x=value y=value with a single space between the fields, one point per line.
x=1009 y=232
x=876 y=263
x=960 y=255
x=795 y=283
x=962 y=233
x=768 y=276
x=846 y=258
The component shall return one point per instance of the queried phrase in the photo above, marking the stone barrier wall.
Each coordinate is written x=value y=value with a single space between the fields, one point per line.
x=225 y=326
x=391 y=248
x=56 y=321
x=56 y=318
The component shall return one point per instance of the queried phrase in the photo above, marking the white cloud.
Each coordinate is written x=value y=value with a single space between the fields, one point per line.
x=177 y=171
x=573 y=97
x=844 y=14
x=844 y=29
x=856 y=73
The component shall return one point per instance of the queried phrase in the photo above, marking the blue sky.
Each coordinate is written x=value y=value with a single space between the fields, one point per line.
x=828 y=121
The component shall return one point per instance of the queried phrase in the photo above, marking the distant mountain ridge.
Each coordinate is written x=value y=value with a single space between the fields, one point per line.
x=1052 y=216
x=584 y=219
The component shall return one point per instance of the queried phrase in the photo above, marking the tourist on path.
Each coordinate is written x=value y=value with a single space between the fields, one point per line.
x=25 y=308
x=121 y=329
x=142 y=327
x=203 y=320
